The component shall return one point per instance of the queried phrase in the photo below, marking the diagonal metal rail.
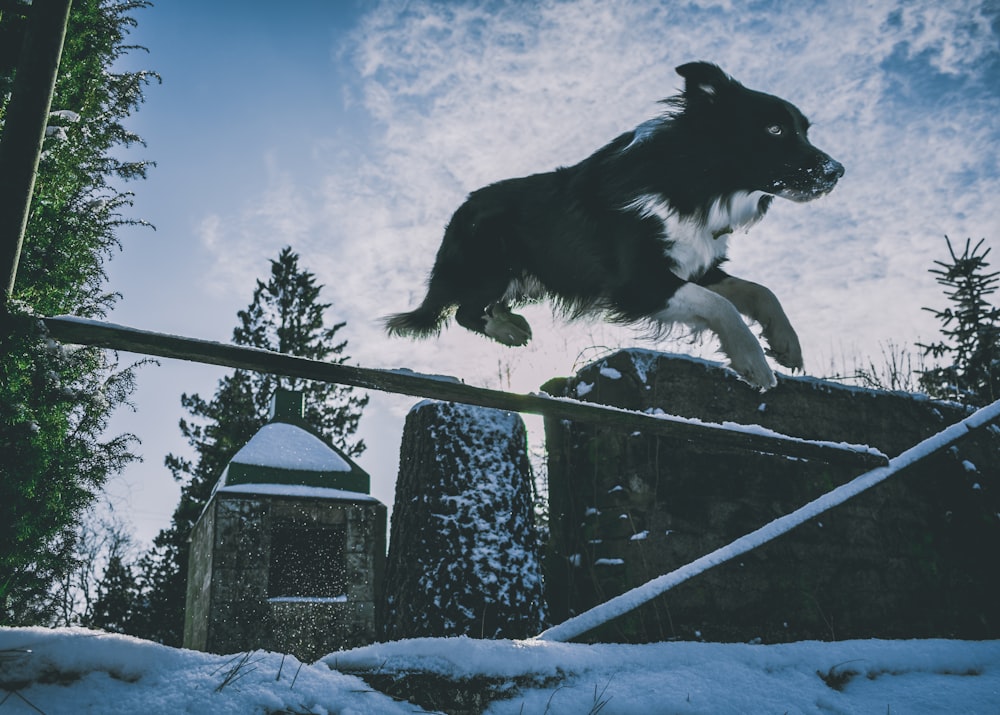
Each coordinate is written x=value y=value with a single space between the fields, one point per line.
x=81 y=331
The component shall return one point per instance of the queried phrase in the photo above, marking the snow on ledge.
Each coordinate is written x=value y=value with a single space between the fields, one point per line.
x=295 y=490
x=308 y=599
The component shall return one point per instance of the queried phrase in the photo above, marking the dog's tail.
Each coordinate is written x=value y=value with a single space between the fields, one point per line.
x=420 y=323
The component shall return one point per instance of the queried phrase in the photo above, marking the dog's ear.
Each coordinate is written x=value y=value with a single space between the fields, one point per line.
x=703 y=80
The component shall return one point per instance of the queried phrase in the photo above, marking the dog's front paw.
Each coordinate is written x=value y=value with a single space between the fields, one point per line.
x=746 y=358
x=755 y=371
x=506 y=327
x=783 y=345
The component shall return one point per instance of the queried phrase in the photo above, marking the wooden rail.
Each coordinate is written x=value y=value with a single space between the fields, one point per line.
x=24 y=128
x=712 y=436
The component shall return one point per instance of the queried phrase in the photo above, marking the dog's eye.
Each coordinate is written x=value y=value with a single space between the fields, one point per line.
x=775 y=130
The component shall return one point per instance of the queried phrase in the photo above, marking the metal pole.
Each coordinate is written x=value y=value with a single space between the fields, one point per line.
x=24 y=128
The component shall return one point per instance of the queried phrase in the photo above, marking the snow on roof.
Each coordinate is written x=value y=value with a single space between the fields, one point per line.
x=295 y=490
x=283 y=446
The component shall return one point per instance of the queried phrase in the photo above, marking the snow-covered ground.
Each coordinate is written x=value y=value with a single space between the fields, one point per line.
x=81 y=671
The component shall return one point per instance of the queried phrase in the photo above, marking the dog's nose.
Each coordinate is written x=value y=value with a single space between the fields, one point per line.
x=834 y=169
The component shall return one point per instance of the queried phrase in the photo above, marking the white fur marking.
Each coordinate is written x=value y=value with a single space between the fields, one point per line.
x=694 y=244
x=698 y=308
x=644 y=131
x=525 y=288
x=702 y=309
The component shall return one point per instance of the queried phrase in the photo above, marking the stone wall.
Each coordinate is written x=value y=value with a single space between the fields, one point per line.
x=232 y=602
x=914 y=557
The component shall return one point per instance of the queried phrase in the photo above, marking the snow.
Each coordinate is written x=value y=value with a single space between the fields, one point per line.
x=284 y=446
x=609 y=562
x=296 y=490
x=427 y=376
x=760 y=431
x=66 y=115
x=74 y=670
x=583 y=388
x=80 y=671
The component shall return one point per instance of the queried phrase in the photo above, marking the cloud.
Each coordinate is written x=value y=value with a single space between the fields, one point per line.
x=905 y=94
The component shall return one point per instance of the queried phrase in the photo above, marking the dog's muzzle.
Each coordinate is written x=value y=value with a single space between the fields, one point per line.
x=812 y=181
x=829 y=173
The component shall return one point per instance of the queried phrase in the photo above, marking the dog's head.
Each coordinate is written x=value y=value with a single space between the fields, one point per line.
x=761 y=138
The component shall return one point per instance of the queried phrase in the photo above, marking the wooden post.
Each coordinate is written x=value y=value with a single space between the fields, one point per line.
x=711 y=436
x=24 y=128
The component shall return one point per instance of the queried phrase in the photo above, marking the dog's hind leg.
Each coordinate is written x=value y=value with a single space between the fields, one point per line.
x=506 y=327
x=702 y=308
x=494 y=321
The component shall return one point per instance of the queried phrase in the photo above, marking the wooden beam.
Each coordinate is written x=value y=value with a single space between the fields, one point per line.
x=24 y=128
x=711 y=436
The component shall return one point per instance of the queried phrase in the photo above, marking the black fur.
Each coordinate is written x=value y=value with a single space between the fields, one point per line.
x=579 y=235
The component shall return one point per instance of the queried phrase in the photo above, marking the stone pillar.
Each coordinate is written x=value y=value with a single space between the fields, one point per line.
x=463 y=548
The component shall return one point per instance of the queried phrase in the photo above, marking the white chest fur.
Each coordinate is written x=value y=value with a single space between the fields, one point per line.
x=695 y=244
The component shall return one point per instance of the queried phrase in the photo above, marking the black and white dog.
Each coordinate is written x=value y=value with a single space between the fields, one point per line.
x=638 y=231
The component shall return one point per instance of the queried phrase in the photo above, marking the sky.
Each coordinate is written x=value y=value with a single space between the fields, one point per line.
x=352 y=130
x=81 y=671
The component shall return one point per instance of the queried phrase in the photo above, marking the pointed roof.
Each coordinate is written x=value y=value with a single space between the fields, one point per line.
x=287 y=452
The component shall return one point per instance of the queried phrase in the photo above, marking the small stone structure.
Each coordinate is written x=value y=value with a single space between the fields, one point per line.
x=289 y=552
x=464 y=555
x=915 y=556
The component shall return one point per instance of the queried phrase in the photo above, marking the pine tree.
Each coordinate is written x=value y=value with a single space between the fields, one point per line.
x=99 y=537
x=55 y=403
x=113 y=610
x=971 y=328
x=284 y=315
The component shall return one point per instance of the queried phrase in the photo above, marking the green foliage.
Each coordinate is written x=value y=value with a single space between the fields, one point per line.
x=284 y=315
x=55 y=402
x=971 y=328
x=116 y=597
x=77 y=204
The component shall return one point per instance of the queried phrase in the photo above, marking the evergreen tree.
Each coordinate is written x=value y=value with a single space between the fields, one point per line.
x=971 y=328
x=284 y=315
x=113 y=610
x=55 y=403
x=100 y=537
